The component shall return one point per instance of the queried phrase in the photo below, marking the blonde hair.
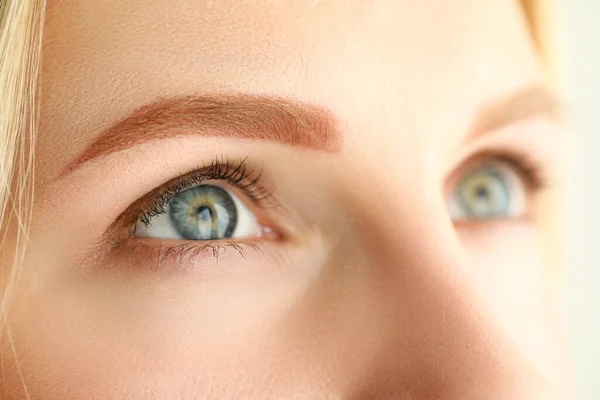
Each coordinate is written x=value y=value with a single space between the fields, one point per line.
x=21 y=24
x=541 y=17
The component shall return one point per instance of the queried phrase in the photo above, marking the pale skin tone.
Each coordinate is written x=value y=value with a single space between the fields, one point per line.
x=363 y=281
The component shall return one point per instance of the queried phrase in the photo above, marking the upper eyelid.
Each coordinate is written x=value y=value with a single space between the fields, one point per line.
x=537 y=137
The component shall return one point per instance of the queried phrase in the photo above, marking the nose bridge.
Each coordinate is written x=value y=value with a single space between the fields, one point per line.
x=441 y=341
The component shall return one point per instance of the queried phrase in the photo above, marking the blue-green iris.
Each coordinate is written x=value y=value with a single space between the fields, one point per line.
x=485 y=193
x=204 y=212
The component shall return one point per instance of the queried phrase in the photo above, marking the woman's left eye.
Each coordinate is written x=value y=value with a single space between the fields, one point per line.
x=491 y=190
x=203 y=212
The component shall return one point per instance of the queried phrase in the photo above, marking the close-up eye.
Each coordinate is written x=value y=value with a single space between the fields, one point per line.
x=490 y=190
x=222 y=200
x=204 y=212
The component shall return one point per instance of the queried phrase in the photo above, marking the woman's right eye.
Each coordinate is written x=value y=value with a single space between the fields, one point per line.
x=203 y=212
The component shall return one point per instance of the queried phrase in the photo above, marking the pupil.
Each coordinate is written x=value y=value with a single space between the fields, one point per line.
x=482 y=193
x=204 y=214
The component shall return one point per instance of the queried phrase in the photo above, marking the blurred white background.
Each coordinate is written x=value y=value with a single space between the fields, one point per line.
x=579 y=40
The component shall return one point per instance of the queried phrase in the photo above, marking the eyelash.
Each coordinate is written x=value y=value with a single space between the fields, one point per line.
x=527 y=167
x=236 y=173
x=222 y=169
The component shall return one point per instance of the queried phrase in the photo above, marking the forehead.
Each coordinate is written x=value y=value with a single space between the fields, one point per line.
x=374 y=63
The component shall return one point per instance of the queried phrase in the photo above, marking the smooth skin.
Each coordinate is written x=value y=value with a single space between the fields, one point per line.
x=373 y=292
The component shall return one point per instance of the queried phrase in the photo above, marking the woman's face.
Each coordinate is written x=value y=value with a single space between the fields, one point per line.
x=290 y=199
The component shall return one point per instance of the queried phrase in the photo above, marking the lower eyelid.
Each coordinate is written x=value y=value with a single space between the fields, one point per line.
x=480 y=230
x=173 y=255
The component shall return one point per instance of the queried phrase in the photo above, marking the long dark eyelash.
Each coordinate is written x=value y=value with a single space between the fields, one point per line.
x=236 y=173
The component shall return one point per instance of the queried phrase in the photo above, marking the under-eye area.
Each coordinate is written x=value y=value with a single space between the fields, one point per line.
x=155 y=254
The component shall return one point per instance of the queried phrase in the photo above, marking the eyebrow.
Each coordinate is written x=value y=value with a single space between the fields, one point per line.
x=236 y=116
x=528 y=102
x=292 y=123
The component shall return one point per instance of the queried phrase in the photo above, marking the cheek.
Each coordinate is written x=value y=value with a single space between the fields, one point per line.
x=154 y=334
x=76 y=345
x=509 y=270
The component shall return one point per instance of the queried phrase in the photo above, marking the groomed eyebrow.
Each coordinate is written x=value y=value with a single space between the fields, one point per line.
x=525 y=103
x=236 y=116
x=288 y=122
